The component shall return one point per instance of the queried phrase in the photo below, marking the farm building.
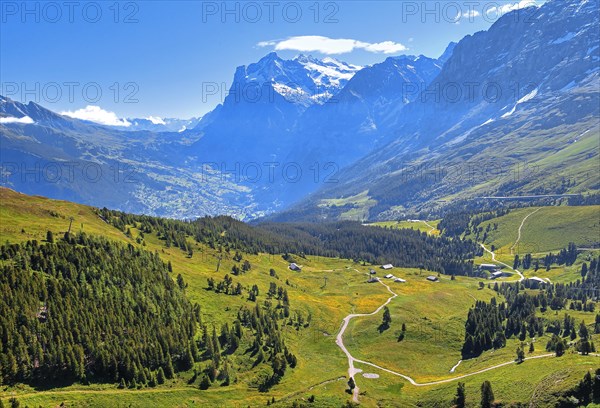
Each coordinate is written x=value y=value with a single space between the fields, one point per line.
x=372 y=271
x=387 y=266
x=389 y=276
x=489 y=267
x=373 y=279
x=399 y=280
x=295 y=267
x=497 y=274
x=432 y=278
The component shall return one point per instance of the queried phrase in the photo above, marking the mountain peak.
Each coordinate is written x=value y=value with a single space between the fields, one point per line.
x=303 y=80
x=270 y=57
x=447 y=52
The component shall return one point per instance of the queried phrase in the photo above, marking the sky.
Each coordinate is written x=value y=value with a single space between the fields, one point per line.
x=111 y=60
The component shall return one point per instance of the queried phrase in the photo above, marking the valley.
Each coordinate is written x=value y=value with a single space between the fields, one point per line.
x=300 y=205
x=328 y=291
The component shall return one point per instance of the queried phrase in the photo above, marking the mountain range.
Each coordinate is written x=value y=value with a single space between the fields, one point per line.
x=509 y=111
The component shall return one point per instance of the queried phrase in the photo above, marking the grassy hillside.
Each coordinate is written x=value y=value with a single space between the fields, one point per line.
x=546 y=229
x=327 y=289
x=429 y=227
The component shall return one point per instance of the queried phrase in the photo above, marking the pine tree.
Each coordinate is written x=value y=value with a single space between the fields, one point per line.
x=560 y=349
x=188 y=359
x=586 y=388
x=50 y=237
x=460 y=398
x=180 y=282
x=351 y=384
x=596 y=386
x=160 y=376
x=487 y=395
x=204 y=382
x=169 y=372
x=520 y=355
x=387 y=318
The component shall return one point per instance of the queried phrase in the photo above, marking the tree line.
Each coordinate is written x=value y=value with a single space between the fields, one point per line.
x=84 y=308
x=346 y=239
x=488 y=325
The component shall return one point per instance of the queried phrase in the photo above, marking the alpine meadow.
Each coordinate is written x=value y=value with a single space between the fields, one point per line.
x=300 y=204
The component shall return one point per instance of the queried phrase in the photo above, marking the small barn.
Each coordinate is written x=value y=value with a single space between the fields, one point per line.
x=497 y=274
x=295 y=267
x=389 y=276
x=373 y=279
x=432 y=278
x=372 y=271
x=399 y=280
x=387 y=266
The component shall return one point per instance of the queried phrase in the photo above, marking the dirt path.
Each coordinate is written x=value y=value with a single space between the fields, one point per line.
x=519 y=231
x=340 y=342
x=502 y=263
x=521 y=276
x=413 y=382
x=426 y=223
x=352 y=370
x=429 y=225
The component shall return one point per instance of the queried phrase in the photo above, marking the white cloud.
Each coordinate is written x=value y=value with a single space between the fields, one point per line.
x=156 y=120
x=25 y=120
x=471 y=14
x=326 y=45
x=98 y=115
x=515 y=5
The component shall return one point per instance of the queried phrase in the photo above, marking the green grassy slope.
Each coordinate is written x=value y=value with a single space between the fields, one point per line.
x=410 y=224
x=328 y=289
x=548 y=229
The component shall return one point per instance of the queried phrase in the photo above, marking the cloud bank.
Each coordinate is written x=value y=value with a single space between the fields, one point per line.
x=98 y=115
x=331 y=46
x=25 y=120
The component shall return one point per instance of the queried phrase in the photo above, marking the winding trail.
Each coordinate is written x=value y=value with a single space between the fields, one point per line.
x=413 y=382
x=500 y=262
x=340 y=342
x=521 y=276
x=521 y=226
x=352 y=370
x=426 y=223
x=429 y=225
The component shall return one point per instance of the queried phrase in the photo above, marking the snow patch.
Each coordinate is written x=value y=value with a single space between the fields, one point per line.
x=568 y=36
x=528 y=97
x=524 y=99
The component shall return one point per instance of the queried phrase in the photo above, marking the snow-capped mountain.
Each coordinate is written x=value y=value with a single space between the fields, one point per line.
x=357 y=119
x=264 y=105
x=528 y=125
x=303 y=80
x=362 y=127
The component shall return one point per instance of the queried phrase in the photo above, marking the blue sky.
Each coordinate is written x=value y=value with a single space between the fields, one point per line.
x=155 y=58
